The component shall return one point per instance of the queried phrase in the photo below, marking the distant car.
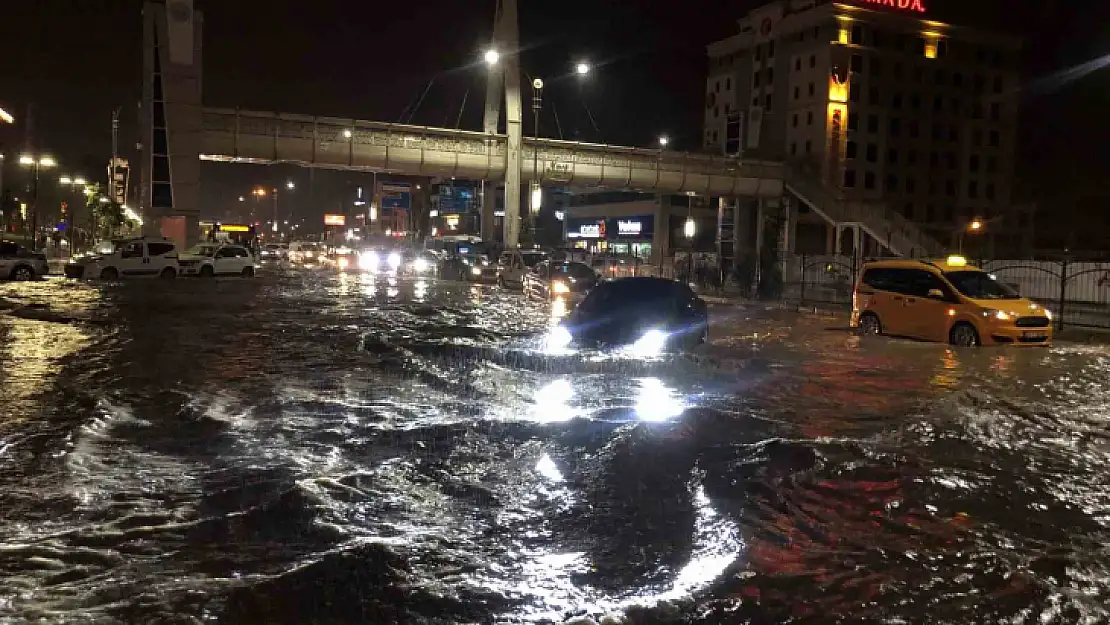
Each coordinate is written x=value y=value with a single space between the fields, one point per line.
x=272 y=252
x=215 y=259
x=513 y=265
x=647 y=315
x=306 y=252
x=342 y=259
x=477 y=268
x=380 y=260
x=19 y=263
x=551 y=280
x=142 y=257
x=418 y=263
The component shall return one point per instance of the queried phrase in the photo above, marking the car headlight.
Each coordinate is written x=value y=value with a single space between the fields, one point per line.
x=559 y=287
x=368 y=261
x=394 y=260
x=419 y=265
x=1000 y=315
x=1048 y=314
x=477 y=271
x=650 y=344
x=558 y=338
x=343 y=262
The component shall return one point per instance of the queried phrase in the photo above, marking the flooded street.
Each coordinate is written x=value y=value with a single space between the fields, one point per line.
x=307 y=447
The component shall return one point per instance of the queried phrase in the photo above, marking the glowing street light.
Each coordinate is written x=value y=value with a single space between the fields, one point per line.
x=347 y=134
x=47 y=161
x=690 y=229
x=26 y=160
x=6 y=117
x=491 y=57
x=975 y=225
x=65 y=180
x=79 y=181
x=582 y=68
x=242 y=199
x=290 y=185
x=663 y=141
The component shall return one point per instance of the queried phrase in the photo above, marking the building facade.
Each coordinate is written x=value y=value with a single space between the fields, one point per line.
x=879 y=103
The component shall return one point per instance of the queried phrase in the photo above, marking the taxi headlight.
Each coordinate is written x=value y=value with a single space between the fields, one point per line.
x=1000 y=315
x=559 y=287
x=343 y=262
x=1048 y=314
x=394 y=260
x=650 y=344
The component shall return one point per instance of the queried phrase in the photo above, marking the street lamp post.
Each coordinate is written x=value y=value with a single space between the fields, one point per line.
x=74 y=183
x=975 y=226
x=36 y=164
x=536 y=196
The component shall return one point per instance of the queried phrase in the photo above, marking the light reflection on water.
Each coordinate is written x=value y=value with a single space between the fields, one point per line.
x=235 y=438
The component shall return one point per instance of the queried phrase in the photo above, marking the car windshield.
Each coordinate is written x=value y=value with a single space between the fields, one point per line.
x=202 y=250
x=980 y=285
x=271 y=246
x=531 y=259
x=577 y=271
x=108 y=247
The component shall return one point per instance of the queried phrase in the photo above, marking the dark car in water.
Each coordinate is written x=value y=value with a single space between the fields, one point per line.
x=647 y=315
x=551 y=280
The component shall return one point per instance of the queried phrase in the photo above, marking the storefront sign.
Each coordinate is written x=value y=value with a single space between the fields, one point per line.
x=902 y=5
x=629 y=227
x=335 y=220
x=591 y=231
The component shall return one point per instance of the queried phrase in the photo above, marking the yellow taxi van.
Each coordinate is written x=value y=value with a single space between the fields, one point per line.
x=947 y=301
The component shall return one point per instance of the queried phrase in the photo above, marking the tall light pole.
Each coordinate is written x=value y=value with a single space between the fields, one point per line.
x=74 y=183
x=36 y=163
x=536 y=196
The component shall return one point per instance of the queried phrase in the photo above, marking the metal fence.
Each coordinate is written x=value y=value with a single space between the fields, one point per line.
x=1078 y=293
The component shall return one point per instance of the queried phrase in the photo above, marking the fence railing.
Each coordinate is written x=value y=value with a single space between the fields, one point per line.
x=1077 y=293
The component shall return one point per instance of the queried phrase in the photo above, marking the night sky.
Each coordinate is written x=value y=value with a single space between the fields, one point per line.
x=76 y=60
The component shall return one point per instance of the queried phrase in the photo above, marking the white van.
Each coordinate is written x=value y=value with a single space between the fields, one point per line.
x=142 y=257
x=513 y=264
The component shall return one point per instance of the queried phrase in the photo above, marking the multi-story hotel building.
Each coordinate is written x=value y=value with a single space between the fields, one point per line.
x=879 y=104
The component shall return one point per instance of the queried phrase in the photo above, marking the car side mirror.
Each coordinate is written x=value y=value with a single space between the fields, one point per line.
x=936 y=294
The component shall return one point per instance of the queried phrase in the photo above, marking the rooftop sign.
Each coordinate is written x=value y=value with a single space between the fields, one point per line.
x=903 y=5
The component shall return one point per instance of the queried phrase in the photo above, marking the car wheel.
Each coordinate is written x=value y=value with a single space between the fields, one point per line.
x=248 y=272
x=207 y=271
x=23 y=273
x=169 y=273
x=110 y=274
x=869 y=324
x=963 y=334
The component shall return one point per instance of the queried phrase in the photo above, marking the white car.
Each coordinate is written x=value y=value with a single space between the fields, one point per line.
x=216 y=259
x=142 y=257
x=513 y=264
x=18 y=263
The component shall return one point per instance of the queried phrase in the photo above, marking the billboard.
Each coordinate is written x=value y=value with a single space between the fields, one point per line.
x=335 y=220
x=396 y=195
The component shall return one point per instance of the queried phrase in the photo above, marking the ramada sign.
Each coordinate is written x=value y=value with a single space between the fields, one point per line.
x=904 y=5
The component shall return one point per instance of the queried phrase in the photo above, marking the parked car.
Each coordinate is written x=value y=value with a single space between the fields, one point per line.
x=646 y=315
x=142 y=257
x=551 y=280
x=512 y=265
x=19 y=263
x=215 y=259
x=948 y=301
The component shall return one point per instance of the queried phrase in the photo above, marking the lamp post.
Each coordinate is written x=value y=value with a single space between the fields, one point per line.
x=536 y=196
x=975 y=226
x=36 y=163
x=74 y=183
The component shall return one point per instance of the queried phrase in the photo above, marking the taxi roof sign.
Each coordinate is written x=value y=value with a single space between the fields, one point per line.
x=955 y=260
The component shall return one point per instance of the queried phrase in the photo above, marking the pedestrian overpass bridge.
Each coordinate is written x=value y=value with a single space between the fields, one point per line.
x=238 y=136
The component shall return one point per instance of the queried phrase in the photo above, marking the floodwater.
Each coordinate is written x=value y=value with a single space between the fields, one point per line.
x=312 y=448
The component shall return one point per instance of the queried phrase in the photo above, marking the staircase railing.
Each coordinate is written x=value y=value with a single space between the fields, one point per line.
x=893 y=231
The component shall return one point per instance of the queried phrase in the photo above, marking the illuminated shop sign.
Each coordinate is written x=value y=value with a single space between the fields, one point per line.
x=628 y=226
x=902 y=5
x=590 y=231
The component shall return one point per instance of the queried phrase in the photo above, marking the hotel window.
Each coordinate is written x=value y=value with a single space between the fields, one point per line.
x=994 y=139
x=872 y=153
x=915 y=101
x=911 y=185
x=938 y=130
x=794 y=120
x=997 y=84
x=918 y=75
x=911 y=157
x=849 y=178
x=914 y=129
x=977 y=138
x=798 y=65
x=770 y=75
x=771 y=49
x=892 y=156
x=728 y=84
x=953 y=134
x=809 y=146
x=875 y=99
x=895 y=126
x=797 y=93
x=957 y=80
x=793 y=148
x=942 y=77
x=992 y=164
x=874 y=66
x=850 y=149
x=856 y=64
x=857 y=35
x=934 y=159
x=896 y=101
x=872 y=123
x=767 y=101
x=990 y=191
x=809 y=118
x=853 y=92
x=973 y=189
x=908 y=210
x=950 y=188
x=853 y=121
x=755 y=79
x=979 y=82
x=996 y=111
x=950 y=158
x=891 y=182
x=812 y=61
x=973 y=163
x=759 y=53
x=812 y=90
x=869 y=180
